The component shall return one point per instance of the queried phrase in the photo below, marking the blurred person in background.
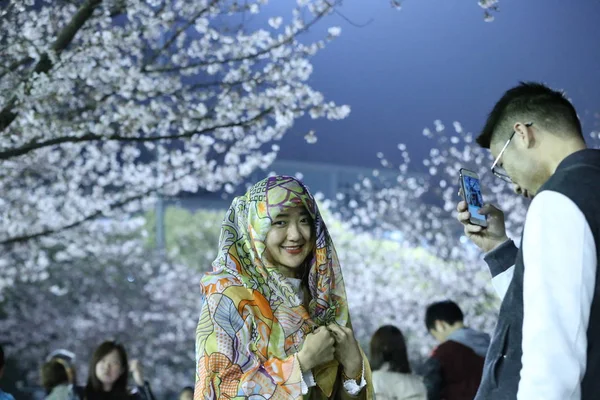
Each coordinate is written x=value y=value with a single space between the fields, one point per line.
x=392 y=375
x=67 y=358
x=187 y=393
x=109 y=372
x=454 y=369
x=55 y=381
x=3 y=395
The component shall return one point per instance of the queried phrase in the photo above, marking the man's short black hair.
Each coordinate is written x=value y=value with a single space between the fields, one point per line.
x=187 y=389
x=446 y=311
x=530 y=102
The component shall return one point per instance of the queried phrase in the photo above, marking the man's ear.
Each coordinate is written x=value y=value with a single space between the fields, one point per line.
x=524 y=135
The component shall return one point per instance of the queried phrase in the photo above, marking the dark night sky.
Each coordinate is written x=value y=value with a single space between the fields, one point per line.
x=438 y=59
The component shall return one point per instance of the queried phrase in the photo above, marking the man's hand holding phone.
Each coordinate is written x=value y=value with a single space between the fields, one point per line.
x=488 y=238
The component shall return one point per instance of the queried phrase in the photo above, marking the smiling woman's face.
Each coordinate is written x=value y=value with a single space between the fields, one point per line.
x=109 y=369
x=290 y=240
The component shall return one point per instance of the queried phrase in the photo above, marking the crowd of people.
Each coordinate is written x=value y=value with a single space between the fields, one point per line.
x=108 y=377
x=275 y=321
x=452 y=372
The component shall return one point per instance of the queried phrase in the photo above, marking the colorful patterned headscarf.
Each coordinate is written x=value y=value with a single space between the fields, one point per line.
x=242 y=250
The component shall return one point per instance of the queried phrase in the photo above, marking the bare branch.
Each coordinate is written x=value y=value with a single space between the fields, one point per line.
x=356 y=24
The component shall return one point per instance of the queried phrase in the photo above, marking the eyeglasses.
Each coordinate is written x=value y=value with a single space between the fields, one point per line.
x=498 y=170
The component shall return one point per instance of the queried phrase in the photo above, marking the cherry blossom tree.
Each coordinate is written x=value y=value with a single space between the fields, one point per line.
x=389 y=282
x=107 y=104
x=121 y=292
x=412 y=248
x=420 y=207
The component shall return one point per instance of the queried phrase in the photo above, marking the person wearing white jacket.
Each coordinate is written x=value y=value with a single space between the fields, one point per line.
x=392 y=375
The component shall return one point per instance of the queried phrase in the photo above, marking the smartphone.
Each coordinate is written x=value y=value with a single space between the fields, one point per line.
x=471 y=192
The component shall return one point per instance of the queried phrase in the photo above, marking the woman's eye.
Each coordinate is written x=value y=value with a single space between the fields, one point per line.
x=279 y=223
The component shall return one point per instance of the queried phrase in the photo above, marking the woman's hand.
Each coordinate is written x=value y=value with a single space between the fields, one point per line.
x=347 y=351
x=136 y=370
x=318 y=349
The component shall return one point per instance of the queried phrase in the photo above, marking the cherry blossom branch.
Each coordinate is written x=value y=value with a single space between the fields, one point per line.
x=98 y=214
x=90 y=217
x=178 y=32
x=25 y=238
x=4 y=155
x=65 y=37
x=277 y=45
x=348 y=20
x=15 y=65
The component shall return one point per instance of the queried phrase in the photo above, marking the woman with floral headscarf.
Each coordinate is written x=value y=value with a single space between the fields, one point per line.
x=275 y=322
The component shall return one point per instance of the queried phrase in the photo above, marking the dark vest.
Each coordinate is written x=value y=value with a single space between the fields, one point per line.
x=578 y=178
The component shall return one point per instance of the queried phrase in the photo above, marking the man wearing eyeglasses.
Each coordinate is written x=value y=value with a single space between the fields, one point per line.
x=547 y=340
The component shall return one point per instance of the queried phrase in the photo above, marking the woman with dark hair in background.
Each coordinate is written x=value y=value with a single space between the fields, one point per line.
x=108 y=374
x=392 y=376
x=67 y=359
x=55 y=381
